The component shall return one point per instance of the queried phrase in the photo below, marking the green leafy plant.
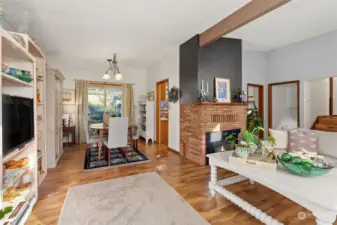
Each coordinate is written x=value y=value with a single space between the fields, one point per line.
x=231 y=139
x=253 y=120
x=272 y=141
x=247 y=137
x=5 y=211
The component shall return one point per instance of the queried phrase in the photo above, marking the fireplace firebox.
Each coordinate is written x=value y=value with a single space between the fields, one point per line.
x=215 y=141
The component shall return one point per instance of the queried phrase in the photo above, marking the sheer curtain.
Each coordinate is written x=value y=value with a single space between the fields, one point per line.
x=81 y=97
x=128 y=103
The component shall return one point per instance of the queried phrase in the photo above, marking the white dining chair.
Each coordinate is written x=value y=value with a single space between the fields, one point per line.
x=118 y=134
x=90 y=140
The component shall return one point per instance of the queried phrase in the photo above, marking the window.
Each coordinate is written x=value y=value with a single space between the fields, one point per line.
x=102 y=99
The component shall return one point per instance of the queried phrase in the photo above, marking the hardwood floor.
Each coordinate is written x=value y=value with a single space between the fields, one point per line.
x=187 y=178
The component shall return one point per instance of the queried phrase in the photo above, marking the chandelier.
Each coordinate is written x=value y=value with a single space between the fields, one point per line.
x=113 y=70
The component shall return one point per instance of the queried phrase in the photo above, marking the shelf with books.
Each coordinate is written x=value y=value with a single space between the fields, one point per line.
x=18 y=172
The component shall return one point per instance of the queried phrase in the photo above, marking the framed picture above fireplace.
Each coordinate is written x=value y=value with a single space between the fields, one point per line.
x=222 y=89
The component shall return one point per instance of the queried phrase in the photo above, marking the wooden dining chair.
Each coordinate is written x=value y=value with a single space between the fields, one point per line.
x=118 y=135
x=106 y=119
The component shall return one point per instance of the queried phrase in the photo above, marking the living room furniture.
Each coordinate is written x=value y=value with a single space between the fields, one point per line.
x=105 y=128
x=54 y=116
x=135 y=137
x=317 y=194
x=70 y=132
x=19 y=52
x=146 y=120
x=90 y=140
x=118 y=135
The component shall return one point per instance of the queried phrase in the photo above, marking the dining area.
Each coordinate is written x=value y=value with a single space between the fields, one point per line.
x=114 y=143
x=105 y=121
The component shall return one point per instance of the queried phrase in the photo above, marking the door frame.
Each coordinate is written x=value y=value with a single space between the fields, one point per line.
x=331 y=81
x=158 y=126
x=270 y=100
x=261 y=98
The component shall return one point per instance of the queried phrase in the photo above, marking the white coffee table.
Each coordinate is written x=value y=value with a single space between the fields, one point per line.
x=317 y=194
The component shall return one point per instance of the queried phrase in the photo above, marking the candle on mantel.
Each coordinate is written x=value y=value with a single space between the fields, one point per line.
x=202 y=85
x=207 y=87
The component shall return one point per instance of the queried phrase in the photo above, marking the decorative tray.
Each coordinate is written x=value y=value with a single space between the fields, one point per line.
x=256 y=160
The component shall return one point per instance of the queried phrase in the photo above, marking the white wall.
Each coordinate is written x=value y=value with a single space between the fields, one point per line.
x=316 y=100
x=168 y=67
x=254 y=68
x=306 y=60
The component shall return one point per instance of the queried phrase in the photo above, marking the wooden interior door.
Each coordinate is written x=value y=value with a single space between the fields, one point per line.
x=162 y=113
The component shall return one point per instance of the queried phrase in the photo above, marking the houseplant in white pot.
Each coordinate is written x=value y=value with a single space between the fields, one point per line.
x=247 y=143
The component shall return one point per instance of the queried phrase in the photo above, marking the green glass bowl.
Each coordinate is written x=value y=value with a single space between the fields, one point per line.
x=26 y=79
x=304 y=171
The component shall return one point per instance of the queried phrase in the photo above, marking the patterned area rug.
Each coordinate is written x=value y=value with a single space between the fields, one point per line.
x=117 y=158
x=144 y=199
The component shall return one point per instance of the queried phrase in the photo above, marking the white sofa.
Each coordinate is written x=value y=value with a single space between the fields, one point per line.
x=327 y=145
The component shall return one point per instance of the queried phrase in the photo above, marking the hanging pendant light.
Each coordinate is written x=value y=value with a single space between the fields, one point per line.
x=113 y=70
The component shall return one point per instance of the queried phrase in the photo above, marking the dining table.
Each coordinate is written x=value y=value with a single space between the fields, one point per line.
x=104 y=128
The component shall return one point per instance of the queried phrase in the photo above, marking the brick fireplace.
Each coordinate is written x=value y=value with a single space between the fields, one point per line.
x=198 y=119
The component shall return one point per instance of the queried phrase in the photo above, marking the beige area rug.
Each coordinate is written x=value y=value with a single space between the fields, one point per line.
x=144 y=199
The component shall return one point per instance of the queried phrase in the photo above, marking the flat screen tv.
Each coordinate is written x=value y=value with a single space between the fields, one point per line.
x=17 y=122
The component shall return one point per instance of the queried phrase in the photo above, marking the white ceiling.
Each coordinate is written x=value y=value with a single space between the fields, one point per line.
x=293 y=22
x=139 y=31
x=81 y=34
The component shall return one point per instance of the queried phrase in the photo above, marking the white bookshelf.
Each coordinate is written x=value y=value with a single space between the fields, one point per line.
x=146 y=120
x=15 y=55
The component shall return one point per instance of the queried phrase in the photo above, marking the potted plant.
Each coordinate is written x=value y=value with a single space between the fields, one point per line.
x=271 y=147
x=247 y=142
x=230 y=141
x=253 y=120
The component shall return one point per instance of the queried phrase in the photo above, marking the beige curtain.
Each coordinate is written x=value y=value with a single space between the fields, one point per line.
x=127 y=102
x=81 y=97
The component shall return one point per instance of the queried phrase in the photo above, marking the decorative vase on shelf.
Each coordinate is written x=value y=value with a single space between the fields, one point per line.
x=242 y=151
x=38 y=95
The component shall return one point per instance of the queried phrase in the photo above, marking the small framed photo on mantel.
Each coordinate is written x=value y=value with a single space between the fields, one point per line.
x=222 y=89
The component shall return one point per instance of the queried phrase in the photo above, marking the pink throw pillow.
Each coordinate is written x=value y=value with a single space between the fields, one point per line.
x=299 y=139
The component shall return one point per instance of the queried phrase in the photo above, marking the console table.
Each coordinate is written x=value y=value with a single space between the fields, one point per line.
x=317 y=194
x=69 y=130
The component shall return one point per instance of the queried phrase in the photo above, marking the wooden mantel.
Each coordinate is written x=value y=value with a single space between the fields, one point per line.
x=197 y=119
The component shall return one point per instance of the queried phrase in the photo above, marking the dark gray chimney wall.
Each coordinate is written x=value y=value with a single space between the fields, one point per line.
x=222 y=58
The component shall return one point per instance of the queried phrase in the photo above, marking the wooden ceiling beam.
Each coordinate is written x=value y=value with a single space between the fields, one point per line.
x=249 y=12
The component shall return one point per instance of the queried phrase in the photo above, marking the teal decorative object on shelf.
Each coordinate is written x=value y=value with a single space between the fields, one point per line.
x=26 y=79
x=26 y=76
x=304 y=169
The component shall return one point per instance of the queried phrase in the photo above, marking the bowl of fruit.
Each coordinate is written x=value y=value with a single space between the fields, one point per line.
x=304 y=163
